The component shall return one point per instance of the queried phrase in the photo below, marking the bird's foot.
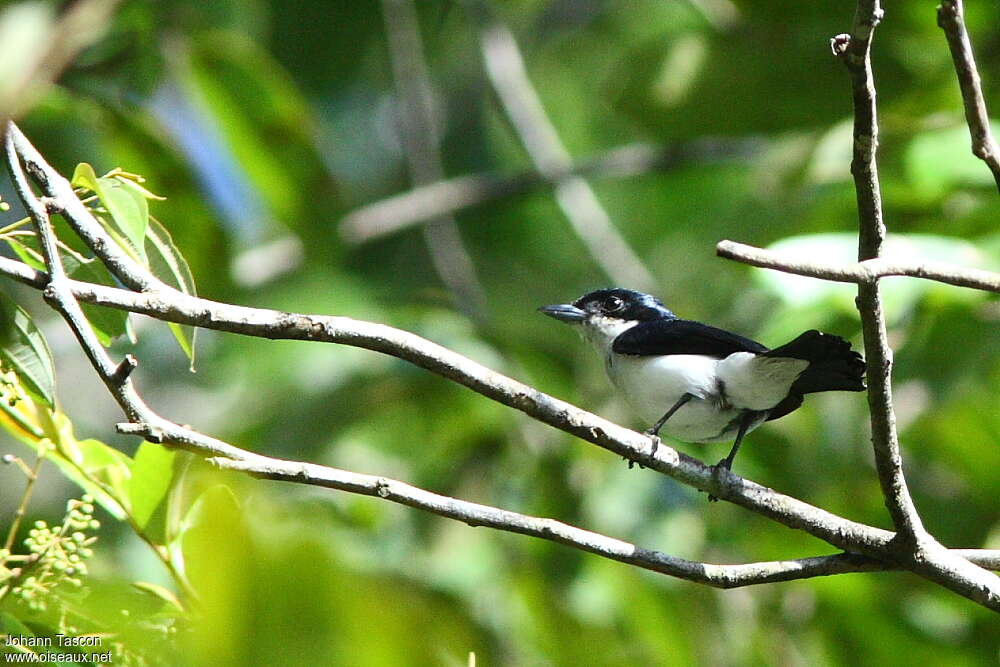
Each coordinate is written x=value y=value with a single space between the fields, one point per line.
x=726 y=465
x=632 y=463
x=654 y=445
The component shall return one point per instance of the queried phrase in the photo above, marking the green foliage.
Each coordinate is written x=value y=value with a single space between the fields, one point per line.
x=24 y=351
x=265 y=124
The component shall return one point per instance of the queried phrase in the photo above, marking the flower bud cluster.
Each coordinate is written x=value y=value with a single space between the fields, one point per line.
x=57 y=554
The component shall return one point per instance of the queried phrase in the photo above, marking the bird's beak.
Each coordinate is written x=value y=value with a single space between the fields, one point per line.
x=565 y=312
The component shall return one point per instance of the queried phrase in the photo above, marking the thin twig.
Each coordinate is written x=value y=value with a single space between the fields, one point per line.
x=855 y=50
x=453 y=195
x=520 y=102
x=29 y=487
x=951 y=19
x=474 y=514
x=912 y=542
x=419 y=130
x=167 y=303
x=867 y=271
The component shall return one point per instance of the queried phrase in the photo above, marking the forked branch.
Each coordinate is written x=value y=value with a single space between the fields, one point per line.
x=871 y=548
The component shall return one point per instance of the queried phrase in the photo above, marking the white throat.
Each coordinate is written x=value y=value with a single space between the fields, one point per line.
x=601 y=331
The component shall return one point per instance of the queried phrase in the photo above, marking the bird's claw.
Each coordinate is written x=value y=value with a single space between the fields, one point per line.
x=724 y=464
x=654 y=445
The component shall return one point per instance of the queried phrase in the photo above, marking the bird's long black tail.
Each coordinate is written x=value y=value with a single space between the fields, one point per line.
x=833 y=365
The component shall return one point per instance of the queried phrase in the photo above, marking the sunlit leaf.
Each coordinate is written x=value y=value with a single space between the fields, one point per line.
x=126 y=206
x=23 y=349
x=152 y=474
x=84 y=176
x=26 y=253
x=937 y=160
x=168 y=264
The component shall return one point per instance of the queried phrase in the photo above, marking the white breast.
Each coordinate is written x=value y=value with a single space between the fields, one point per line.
x=723 y=389
x=652 y=385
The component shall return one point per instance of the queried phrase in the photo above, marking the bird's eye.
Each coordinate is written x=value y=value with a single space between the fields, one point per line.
x=613 y=304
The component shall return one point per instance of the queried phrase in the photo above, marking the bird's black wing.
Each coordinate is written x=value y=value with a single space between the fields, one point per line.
x=671 y=336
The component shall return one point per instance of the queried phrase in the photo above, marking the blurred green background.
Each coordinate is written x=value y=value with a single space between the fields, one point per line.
x=266 y=123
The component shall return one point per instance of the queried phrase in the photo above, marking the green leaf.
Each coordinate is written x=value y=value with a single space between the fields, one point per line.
x=27 y=254
x=108 y=323
x=152 y=475
x=106 y=465
x=129 y=209
x=168 y=264
x=159 y=592
x=10 y=625
x=23 y=349
x=85 y=177
x=939 y=160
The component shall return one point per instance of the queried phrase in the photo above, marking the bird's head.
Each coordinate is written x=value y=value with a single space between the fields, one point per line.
x=605 y=313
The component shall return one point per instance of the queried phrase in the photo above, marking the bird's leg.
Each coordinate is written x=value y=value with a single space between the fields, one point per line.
x=727 y=463
x=654 y=432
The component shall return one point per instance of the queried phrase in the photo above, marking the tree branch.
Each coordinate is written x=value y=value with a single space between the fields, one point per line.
x=951 y=19
x=474 y=514
x=912 y=541
x=167 y=303
x=520 y=102
x=855 y=51
x=868 y=271
x=453 y=195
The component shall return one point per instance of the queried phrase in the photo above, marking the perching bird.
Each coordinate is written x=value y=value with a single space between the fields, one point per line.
x=698 y=383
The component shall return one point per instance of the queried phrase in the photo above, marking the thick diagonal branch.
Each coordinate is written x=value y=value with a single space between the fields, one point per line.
x=166 y=303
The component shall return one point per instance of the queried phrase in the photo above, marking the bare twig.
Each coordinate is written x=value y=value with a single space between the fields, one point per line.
x=867 y=271
x=22 y=507
x=418 y=124
x=855 y=50
x=912 y=542
x=166 y=303
x=173 y=306
x=575 y=197
x=474 y=514
x=951 y=19
x=456 y=194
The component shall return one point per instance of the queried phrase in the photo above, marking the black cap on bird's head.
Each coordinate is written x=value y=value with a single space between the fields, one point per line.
x=616 y=302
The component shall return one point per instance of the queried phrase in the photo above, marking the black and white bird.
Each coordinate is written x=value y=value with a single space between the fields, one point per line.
x=698 y=383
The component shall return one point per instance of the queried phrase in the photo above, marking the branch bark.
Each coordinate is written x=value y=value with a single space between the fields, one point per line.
x=855 y=51
x=951 y=19
x=912 y=541
x=872 y=548
x=866 y=272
